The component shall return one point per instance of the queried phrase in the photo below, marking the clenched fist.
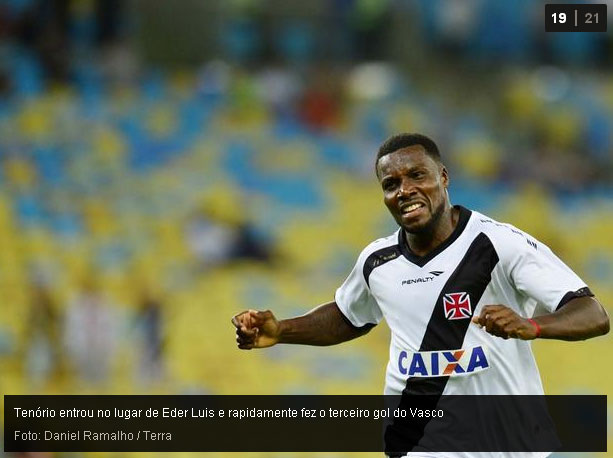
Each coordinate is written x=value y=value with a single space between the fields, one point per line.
x=256 y=329
x=501 y=321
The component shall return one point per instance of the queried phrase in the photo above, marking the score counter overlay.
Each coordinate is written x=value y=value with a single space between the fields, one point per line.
x=576 y=17
x=303 y=423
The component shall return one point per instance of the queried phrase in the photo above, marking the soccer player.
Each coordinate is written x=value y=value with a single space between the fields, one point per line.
x=458 y=290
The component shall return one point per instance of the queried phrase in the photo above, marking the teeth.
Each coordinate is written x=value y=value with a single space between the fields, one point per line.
x=410 y=208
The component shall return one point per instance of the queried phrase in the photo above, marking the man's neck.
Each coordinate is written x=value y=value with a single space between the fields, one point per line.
x=423 y=243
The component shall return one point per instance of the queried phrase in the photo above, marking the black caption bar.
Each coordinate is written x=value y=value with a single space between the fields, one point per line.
x=393 y=424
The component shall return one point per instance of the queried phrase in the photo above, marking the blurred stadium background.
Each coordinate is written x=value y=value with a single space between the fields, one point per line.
x=165 y=165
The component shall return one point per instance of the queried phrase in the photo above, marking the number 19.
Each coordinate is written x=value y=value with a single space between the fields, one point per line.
x=561 y=18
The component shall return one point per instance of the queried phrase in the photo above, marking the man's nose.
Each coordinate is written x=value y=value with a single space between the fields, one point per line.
x=406 y=188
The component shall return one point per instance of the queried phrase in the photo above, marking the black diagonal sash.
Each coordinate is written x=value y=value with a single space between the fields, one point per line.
x=472 y=276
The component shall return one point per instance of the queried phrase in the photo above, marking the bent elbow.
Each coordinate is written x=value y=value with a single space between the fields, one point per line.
x=603 y=325
x=606 y=326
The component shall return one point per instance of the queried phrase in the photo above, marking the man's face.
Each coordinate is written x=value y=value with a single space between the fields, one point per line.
x=414 y=188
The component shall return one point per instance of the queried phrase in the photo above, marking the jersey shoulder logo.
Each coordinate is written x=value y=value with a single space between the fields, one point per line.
x=457 y=306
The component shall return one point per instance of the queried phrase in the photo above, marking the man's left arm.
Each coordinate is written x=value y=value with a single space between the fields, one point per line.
x=579 y=319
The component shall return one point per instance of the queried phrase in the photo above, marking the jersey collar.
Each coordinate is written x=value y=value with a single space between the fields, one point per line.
x=423 y=260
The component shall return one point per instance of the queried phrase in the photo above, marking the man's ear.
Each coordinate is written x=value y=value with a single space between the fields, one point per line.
x=444 y=176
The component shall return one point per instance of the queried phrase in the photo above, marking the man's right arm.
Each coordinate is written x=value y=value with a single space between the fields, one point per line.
x=324 y=325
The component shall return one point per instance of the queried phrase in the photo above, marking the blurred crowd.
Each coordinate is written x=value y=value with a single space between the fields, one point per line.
x=481 y=76
x=142 y=203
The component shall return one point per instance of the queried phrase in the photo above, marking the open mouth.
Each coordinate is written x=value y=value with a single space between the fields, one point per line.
x=407 y=209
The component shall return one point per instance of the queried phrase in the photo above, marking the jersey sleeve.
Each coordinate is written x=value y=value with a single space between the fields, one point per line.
x=354 y=298
x=538 y=273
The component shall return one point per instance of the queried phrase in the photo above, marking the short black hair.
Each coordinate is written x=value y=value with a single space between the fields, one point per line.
x=404 y=140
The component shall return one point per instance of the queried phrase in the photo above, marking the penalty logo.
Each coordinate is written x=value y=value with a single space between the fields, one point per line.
x=457 y=306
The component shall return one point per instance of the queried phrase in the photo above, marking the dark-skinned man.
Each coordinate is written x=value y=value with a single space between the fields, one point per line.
x=457 y=289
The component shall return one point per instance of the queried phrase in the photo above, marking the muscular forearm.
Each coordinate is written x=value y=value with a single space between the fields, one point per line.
x=579 y=319
x=324 y=325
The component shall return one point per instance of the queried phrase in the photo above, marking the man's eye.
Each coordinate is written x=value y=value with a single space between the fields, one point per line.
x=388 y=185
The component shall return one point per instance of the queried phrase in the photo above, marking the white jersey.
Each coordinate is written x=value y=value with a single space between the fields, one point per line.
x=428 y=303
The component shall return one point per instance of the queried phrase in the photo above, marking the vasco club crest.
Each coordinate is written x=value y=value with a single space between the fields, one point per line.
x=457 y=306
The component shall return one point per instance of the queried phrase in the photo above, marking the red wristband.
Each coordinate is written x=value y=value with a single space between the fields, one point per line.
x=536 y=326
